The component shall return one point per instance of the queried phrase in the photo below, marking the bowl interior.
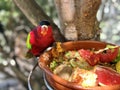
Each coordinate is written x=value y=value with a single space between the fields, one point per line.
x=46 y=58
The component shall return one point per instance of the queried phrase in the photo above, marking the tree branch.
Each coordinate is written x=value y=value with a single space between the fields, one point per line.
x=86 y=19
x=35 y=14
x=32 y=11
x=78 y=18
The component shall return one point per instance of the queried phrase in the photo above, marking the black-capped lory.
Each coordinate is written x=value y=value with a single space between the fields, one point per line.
x=40 y=38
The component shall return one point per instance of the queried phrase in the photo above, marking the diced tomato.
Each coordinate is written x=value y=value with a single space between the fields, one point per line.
x=109 y=56
x=93 y=58
x=107 y=76
x=89 y=56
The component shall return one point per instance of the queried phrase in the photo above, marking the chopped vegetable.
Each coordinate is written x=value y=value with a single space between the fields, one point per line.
x=109 y=56
x=53 y=64
x=79 y=65
x=118 y=67
x=118 y=57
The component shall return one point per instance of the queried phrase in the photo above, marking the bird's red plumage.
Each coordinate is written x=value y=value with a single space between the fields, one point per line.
x=40 y=42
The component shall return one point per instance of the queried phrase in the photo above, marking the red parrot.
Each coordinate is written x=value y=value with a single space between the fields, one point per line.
x=40 y=38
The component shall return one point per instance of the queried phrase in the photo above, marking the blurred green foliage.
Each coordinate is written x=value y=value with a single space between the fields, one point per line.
x=7 y=11
x=49 y=7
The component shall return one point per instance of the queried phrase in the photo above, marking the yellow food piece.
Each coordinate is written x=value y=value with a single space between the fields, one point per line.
x=57 y=50
x=83 y=77
x=118 y=66
x=58 y=47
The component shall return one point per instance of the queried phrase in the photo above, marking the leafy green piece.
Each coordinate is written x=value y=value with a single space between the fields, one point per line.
x=73 y=63
x=118 y=67
x=53 y=64
x=118 y=57
x=68 y=54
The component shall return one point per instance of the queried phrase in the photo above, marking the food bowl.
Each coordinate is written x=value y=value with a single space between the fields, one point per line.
x=57 y=82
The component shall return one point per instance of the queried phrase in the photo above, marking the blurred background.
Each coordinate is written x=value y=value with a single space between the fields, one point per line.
x=14 y=27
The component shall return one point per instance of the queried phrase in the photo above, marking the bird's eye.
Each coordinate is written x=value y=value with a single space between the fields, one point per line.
x=44 y=29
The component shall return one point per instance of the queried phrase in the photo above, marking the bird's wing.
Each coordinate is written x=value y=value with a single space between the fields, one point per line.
x=28 y=42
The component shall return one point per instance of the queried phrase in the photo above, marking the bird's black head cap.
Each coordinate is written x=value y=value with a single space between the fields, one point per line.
x=45 y=22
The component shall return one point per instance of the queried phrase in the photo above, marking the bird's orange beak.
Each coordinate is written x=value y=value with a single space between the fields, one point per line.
x=44 y=30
